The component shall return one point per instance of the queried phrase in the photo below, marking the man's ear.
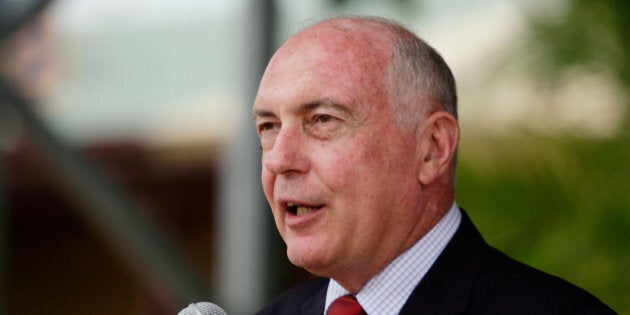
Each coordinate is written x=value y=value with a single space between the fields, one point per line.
x=439 y=136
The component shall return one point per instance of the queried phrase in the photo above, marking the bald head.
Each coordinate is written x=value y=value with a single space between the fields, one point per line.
x=342 y=50
x=415 y=78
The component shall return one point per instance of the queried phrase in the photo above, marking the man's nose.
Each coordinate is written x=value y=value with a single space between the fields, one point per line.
x=288 y=153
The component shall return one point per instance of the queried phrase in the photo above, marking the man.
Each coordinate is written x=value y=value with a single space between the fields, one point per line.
x=357 y=122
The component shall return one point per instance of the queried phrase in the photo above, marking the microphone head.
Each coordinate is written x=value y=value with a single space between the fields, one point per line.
x=202 y=308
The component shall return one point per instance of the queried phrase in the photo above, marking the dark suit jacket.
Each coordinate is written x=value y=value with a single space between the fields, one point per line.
x=469 y=277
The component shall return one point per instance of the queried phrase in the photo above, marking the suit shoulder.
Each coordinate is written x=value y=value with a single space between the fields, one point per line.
x=297 y=300
x=508 y=286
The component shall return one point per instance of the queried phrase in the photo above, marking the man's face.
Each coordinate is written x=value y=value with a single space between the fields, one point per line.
x=338 y=172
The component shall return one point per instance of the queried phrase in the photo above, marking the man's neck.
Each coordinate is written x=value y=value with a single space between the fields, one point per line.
x=386 y=292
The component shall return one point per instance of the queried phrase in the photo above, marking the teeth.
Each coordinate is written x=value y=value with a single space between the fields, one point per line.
x=304 y=210
x=300 y=210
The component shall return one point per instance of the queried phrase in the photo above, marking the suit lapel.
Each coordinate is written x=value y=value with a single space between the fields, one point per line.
x=446 y=288
x=314 y=304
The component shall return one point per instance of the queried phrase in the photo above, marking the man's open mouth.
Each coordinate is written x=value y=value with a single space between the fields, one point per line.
x=300 y=209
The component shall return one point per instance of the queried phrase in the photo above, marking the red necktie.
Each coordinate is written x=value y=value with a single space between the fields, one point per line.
x=346 y=305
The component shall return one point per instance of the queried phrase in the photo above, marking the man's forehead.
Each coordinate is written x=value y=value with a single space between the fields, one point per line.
x=326 y=61
x=338 y=50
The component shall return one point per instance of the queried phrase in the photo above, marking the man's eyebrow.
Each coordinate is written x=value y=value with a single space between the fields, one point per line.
x=325 y=103
x=303 y=108
x=261 y=113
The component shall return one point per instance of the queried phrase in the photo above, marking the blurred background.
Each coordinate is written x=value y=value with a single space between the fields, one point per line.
x=129 y=164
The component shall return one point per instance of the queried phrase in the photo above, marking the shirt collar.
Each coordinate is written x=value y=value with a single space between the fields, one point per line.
x=388 y=291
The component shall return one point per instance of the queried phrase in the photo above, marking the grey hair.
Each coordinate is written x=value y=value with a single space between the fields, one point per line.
x=418 y=80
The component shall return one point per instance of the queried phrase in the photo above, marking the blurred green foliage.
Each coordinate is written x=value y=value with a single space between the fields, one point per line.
x=562 y=203
x=591 y=31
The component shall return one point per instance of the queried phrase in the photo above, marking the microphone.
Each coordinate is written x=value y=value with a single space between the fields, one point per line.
x=202 y=308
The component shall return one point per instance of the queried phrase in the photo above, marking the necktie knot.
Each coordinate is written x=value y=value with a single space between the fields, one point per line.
x=346 y=305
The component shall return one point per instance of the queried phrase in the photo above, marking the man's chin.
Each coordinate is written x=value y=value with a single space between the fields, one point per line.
x=310 y=261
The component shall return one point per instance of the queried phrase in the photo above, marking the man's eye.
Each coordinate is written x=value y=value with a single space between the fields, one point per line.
x=323 y=118
x=266 y=126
